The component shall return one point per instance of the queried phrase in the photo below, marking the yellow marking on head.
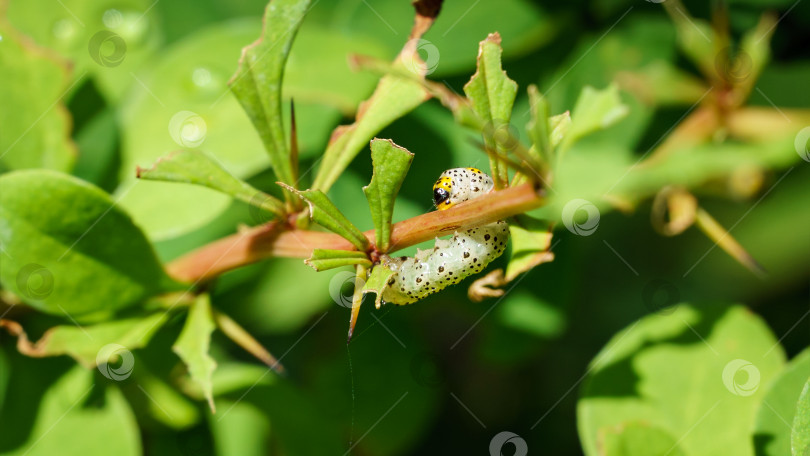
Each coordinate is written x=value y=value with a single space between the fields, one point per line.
x=475 y=170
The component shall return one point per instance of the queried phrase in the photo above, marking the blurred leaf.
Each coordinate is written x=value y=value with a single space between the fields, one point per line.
x=105 y=39
x=492 y=95
x=193 y=344
x=755 y=51
x=662 y=83
x=244 y=431
x=317 y=48
x=244 y=339
x=638 y=439
x=322 y=259
x=800 y=437
x=257 y=82
x=696 y=38
x=194 y=167
x=326 y=214
x=391 y=164
x=530 y=246
x=771 y=434
x=595 y=110
x=36 y=124
x=377 y=283
x=162 y=401
x=82 y=256
x=84 y=343
x=538 y=127
x=67 y=409
x=723 y=354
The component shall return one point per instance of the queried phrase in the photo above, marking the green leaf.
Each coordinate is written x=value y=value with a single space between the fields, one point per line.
x=800 y=437
x=257 y=82
x=194 y=343
x=81 y=256
x=84 y=343
x=393 y=98
x=595 y=110
x=538 y=127
x=638 y=439
x=197 y=168
x=164 y=403
x=391 y=164
x=63 y=413
x=36 y=124
x=106 y=40
x=245 y=430
x=377 y=283
x=689 y=372
x=323 y=259
x=326 y=214
x=773 y=421
x=696 y=38
x=530 y=244
x=492 y=94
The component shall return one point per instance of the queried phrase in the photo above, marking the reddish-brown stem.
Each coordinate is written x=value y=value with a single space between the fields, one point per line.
x=277 y=240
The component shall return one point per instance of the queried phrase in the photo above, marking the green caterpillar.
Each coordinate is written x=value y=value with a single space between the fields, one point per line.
x=450 y=260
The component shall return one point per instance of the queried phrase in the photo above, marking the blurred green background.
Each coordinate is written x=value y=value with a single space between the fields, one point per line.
x=439 y=377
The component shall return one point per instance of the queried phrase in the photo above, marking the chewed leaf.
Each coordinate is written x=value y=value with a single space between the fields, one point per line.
x=391 y=164
x=194 y=343
x=492 y=94
x=323 y=259
x=595 y=110
x=378 y=282
x=326 y=214
x=194 y=167
x=257 y=82
x=34 y=82
x=394 y=97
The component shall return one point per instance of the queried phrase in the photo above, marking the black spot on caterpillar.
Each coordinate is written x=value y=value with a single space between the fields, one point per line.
x=450 y=260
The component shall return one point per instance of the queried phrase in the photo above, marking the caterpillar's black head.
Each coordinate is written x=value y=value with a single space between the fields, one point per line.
x=440 y=196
